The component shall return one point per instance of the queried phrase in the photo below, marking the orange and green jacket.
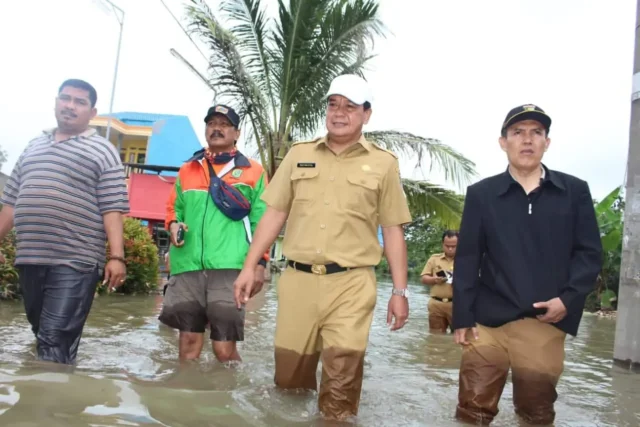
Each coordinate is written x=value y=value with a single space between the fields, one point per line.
x=213 y=241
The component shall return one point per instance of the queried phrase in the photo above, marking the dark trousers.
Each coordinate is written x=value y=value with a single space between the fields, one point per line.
x=57 y=301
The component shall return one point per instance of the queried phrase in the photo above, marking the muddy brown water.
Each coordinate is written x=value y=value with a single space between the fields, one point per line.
x=127 y=375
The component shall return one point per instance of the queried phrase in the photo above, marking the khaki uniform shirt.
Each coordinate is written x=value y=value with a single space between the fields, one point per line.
x=336 y=202
x=436 y=263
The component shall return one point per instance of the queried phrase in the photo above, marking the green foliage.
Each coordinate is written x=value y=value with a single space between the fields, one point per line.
x=430 y=201
x=9 y=288
x=610 y=213
x=456 y=167
x=424 y=238
x=606 y=299
x=141 y=254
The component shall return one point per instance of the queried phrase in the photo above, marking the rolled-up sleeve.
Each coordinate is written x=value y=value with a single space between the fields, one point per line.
x=112 y=191
x=428 y=267
x=393 y=208
x=279 y=193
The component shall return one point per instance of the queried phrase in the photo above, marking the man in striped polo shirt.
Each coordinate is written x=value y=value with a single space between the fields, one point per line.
x=65 y=197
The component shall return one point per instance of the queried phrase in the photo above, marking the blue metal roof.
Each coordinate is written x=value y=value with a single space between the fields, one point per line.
x=172 y=143
x=140 y=119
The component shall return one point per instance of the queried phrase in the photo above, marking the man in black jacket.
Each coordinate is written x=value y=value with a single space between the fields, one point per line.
x=529 y=252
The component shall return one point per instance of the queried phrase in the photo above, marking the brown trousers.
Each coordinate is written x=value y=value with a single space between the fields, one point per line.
x=535 y=353
x=440 y=315
x=325 y=317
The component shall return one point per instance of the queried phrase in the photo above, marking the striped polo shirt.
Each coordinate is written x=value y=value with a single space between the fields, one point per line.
x=59 y=192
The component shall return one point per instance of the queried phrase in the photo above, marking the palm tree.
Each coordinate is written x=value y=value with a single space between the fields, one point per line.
x=275 y=73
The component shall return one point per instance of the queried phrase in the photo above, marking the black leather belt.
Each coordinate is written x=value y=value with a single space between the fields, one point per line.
x=319 y=269
x=443 y=299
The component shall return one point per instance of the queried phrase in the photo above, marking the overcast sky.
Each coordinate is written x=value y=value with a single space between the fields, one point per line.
x=448 y=69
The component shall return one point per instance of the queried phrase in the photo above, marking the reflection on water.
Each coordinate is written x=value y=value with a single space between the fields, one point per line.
x=127 y=375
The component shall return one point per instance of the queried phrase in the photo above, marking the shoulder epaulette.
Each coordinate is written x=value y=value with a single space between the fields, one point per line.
x=306 y=142
x=383 y=149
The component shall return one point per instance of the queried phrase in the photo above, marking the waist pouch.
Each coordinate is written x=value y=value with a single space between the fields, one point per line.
x=228 y=199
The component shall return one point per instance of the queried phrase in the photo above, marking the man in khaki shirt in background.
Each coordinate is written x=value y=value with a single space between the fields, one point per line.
x=335 y=191
x=437 y=274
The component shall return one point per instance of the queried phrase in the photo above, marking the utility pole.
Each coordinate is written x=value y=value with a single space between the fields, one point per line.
x=626 y=351
x=119 y=14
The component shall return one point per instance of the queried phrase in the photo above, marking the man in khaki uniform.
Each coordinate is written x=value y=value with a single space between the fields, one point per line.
x=437 y=274
x=335 y=191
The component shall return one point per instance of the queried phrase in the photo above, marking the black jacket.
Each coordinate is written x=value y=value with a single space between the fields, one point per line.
x=516 y=249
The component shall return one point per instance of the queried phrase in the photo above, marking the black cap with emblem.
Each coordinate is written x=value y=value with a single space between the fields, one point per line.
x=527 y=112
x=226 y=111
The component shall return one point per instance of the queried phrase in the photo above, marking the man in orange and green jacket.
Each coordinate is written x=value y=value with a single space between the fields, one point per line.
x=212 y=213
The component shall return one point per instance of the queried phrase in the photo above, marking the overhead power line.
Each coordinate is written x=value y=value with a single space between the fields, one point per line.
x=186 y=33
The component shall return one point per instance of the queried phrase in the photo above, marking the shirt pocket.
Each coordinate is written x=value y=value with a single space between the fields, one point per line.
x=362 y=192
x=305 y=184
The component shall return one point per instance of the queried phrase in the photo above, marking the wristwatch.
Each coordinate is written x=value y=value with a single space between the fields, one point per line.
x=400 y=292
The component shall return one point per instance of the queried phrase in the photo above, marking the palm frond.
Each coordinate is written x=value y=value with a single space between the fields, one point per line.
x=276 y=74
x=333 y=38
x=229 y=72
x=430 y=200
x=253 y=38
x=296 y=27
x=236 y=85
x=456 y=167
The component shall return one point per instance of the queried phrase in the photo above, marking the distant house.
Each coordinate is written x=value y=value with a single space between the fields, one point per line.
x=152 y=147
x=150 y=139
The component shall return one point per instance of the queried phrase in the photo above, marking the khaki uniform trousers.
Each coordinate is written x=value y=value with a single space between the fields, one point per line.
x=535 y=353
x=440 y=315
x=325 y=317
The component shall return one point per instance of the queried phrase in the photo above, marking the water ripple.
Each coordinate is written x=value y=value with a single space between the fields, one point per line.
x=127 y=375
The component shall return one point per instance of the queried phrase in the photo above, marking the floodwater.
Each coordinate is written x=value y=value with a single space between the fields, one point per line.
x=127 y=375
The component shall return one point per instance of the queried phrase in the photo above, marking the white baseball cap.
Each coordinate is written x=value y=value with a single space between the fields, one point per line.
x=353 y=87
